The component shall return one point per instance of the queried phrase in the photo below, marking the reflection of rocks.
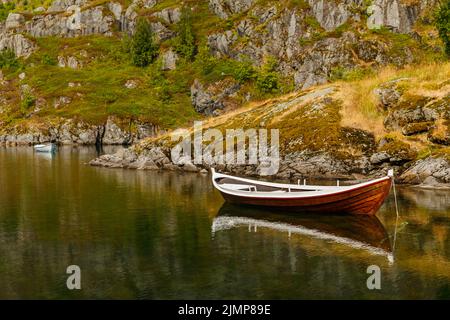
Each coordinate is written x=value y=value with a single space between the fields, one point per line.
x=438 y=200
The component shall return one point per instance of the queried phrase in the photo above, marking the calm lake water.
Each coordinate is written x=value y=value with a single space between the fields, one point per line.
x=152 y=235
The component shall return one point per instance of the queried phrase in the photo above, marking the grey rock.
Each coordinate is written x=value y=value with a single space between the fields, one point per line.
x=394 y=14
x=169 y=15
x=131 y=84
x=14 y=21
x=419 y=171
x=330 y=14
x=22 y=46
x=225 y=8
x=61 y=101
x=206 y=102
x=220 y=43
x=169 y=60
x=162 y=33
x=114 y=135
x=389 y=94
x=75 y=22
x=63 y=5
x=379 y=157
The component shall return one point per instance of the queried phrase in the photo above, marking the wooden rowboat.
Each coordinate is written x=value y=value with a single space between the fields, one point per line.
x=363 y=198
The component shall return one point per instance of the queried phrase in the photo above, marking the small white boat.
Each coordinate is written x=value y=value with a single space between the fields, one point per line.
x=45 y=147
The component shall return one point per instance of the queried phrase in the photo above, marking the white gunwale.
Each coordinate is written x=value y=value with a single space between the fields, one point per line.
x=310 y=190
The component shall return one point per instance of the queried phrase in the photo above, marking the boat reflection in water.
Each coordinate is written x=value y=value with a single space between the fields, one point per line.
x=359 y=232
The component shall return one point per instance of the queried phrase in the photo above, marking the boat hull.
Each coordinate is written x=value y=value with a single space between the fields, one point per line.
x=365 y=200
x=44 y=148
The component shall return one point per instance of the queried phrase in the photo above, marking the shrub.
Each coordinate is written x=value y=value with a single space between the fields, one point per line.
x=49 y=60
x=5 y=8
x=267 y=80
x=8 y=59
x=346 y=74
x=442 y=22
x=27 y=102
x=185 y=45
x=143 y=48
x=244 y=71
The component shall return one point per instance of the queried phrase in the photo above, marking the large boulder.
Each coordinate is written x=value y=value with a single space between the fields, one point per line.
x=418 y=172
x=14 y=21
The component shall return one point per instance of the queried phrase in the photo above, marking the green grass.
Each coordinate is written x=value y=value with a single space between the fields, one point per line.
x=102 y=92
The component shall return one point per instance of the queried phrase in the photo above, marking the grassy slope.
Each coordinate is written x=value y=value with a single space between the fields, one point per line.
x=163 y=97
x=329 y=127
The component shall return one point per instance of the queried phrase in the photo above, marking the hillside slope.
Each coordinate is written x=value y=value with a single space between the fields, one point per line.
x=74 y=77
x=354 y=86
x=324 y=132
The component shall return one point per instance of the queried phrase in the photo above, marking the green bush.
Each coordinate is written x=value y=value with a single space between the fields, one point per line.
x=346 y=74
x=243 y=71
x=267 y=79
x=49 y=60
x=5 y=9
x=8 y=59
x=442 y=22
x=126 y=44
x=27 y=102
x=143 y=49
x=185 y=44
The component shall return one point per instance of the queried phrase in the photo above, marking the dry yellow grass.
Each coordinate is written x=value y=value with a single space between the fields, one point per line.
x=360 y=102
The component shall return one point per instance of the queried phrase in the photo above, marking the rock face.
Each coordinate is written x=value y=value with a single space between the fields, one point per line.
x=169 y=15
x=225 y=8
x=288 y=35
x=332 y=15
x=21 y=46
x=63 y=5
x=74 y=22
x=437 y=168
x=393 y=14
x=213 y=99
x=78 y=132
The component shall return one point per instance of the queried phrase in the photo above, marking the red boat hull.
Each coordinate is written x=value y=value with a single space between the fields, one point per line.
x=365 y=200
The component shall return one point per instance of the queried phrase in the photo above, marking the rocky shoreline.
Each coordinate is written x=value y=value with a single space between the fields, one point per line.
x=432 y=172
x=70 y=131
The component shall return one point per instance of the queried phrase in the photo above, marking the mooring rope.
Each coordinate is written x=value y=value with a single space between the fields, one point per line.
x=391 y=174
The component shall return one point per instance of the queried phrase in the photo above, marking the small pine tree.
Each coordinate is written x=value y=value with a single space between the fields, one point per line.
x=443 y=24
x=143 y=49
x=186 y=40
